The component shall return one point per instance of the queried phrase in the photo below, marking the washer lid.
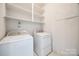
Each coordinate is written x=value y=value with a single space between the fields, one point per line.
x=15 y=38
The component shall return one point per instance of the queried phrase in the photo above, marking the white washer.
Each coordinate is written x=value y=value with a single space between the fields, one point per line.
x=42 y=43
x=17 y=45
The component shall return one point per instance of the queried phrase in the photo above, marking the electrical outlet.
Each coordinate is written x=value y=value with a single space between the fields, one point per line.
x=19 y=24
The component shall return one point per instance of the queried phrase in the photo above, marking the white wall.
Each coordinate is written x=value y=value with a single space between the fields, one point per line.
x=2 y=20
x=26 y=22
x=2 y=28
x=12 y=24
x=2 y=10
x=61 y=20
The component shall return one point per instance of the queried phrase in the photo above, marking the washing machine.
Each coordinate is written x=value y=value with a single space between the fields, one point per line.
x=17 y=44
x=42 y=43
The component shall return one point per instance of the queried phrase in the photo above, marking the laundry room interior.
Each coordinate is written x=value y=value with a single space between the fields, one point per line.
x=39 y=29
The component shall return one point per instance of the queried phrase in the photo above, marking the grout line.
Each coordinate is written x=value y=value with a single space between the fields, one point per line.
x=49 y=53
x=36 y=53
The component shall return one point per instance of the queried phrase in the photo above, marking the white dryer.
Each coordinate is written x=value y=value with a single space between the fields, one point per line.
x=17 y=44
x=42 y=43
